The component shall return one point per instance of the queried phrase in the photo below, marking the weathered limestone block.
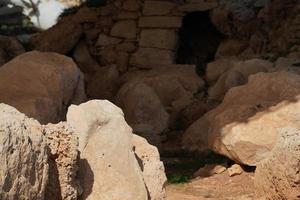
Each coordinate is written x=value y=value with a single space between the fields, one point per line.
x=149 y=57
x=160 y=22
x=124 y=29
x=105 y=40
x=158 y=7
x=108 y=166
x=159 y=38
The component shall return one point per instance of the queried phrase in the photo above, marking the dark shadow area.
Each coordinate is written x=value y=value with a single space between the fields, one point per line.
x=86 y=177
x=198 y=41
x=53 y=190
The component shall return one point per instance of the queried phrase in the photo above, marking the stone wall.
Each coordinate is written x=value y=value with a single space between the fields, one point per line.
x=143 y=33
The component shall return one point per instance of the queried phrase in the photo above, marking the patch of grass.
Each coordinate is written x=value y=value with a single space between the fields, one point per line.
x=177 y=178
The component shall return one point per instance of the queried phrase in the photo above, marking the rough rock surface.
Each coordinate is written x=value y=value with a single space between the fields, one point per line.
x=23 y=156
x=153 y=170
x=143 y=110
x=237 y=75
x=246 y=131
x=63 y=163
x=154 y=98
x=41 y=85
x=54 y=39
x=108 y=167
x=103 y=84
x=277 y=177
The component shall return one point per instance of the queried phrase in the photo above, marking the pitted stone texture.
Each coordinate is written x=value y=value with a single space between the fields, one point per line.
x=277 y=177
x=23 y=156
x=63 y=162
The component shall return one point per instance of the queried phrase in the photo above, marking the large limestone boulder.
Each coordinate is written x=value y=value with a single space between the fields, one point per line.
x=108 y=167
x=245 y=126
x=153 y=170
x=23 y=156
x=277 y=177
x=236 y=74
x=41 y=85
x=153 y=100
x=143 y=110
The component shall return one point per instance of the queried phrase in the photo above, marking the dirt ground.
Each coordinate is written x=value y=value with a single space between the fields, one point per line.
x=216 y=187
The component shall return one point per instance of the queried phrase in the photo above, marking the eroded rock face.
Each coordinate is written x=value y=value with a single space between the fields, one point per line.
x=277 y=177
x=23 y=156
x=153 y=170
x=108 y=168
x=63 y=162
x=245 y=126
x=41 y=85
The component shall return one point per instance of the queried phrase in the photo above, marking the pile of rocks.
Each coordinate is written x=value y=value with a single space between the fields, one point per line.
x=93 y=155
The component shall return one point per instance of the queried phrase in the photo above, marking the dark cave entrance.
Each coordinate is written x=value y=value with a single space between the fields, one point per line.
x=198 y=40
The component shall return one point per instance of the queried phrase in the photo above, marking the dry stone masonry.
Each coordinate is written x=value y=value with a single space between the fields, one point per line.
x=143 y=34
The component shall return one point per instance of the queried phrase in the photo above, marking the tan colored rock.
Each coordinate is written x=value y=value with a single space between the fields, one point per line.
x=194 y=111
x=105 y=40
x=23 y=156
x=151 y=93
x=124 y=29
x=103 y=84
x=160 y=22
x=41 y=85
x=277 y=177
x=159 y=38
x=237 y=75
x=231 y=47
x=84 y=59
x=60 y=38
x=63 y=163
x=235 y=170
x=218 y=67
x=158 y=7
x=108 y=167
x=150 y=57
x=143 y=110
x=153 y=170
x=247 y=130
x=210 y=170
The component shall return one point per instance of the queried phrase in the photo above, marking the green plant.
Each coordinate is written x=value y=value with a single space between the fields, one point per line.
x=177 y=178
